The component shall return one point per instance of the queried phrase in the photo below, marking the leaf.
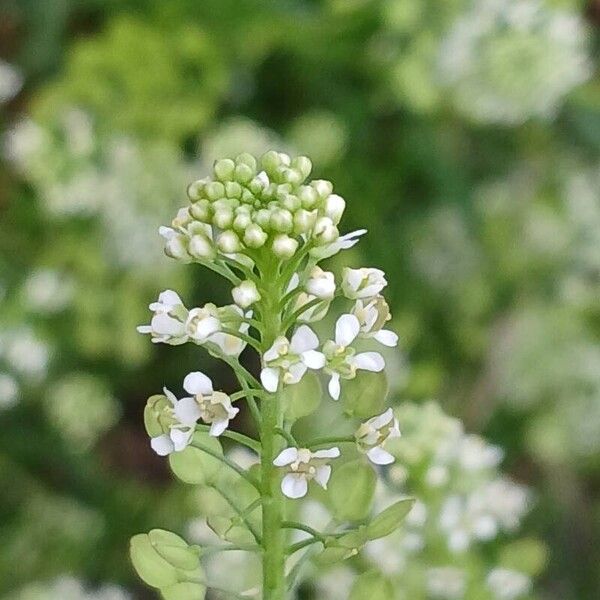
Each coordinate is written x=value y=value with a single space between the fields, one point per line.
x=174 y=549
x=184 y=591
x=301 y=399
x=390 y=519
x=364 y=396
x=372 y=586
x=195 y=466
x=152 y=568
x=342 y=548
x=351 y=490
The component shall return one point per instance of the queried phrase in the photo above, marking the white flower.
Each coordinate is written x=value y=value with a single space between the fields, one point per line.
x=232 y=316
x=302 y=466
x=214 y=408
x=320 y=284
x=180 y=432
x=507 y=584
x=316 y=312
x=362 y=283
x=372 y=435
x=372 y=315
x=245 y=294
x=342 y=243
x=342 y=362
x=175 y=243
x=288 y=360
x=202 y=323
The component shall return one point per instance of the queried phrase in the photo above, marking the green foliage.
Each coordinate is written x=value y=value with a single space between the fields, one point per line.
x=351 y=491
x=365 y=395
x=372 y=586
x=192 y=465
x=302 y=399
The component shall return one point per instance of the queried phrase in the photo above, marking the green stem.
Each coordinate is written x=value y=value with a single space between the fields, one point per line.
x=325 y=441
x=288 y=437
x=241 y=513
x=236 y=436
x=291 y=320
x=305 y=528
x=242 y=336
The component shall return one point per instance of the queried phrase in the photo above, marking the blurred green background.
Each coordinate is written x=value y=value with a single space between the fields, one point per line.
x=465 y=135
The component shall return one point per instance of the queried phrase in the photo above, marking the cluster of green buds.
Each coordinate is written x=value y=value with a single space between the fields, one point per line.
x=249 y=204
x=266 y=231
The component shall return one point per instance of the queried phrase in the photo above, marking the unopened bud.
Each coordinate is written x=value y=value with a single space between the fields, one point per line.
x=201 y=211
x=254 y=236
x=282 y=220
x=245 y=294
x=322 y=187
x=304 y=220
x=325 y=231
x=224 y=169
x=196 y=189
x=223 y=218
x=241 y=222
x=263 y=218
x=290 y=202
x=284 y=246
x=303 y=164
x=243 y=173
x=201 y=247
x=308 y=196
x=176 y=247
x=334 y=208
x=233 y=189
x=246 y=159
x=214 y=190
x=228 y=242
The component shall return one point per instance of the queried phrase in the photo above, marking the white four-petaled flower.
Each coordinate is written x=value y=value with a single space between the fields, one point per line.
x=362 y=283
x=372 y=315
x=342 y=360
x=287 y=360
x=372 y=435
x=180 y=433
x=320 y=284
x=302 y=466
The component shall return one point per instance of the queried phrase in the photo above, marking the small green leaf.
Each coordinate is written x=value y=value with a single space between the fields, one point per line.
x=152 y=568
x=351 y=490
x=372 y=586
x=301 y=399
x=390 y=519
x=364 y=396
x=195 y=466
x=184 y=591
x=342 y=548
x=173 y=549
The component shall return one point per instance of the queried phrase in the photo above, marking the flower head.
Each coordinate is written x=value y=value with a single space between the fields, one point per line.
x=372 y=315
x=287 y=360
x=342 y=360
x=372 y=435
x=362 y=283
x=301 y=466
x=168 y=325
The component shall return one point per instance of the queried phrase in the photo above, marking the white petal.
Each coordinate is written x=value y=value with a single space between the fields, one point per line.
x=327 y=453
x=169 y=298
x=144 y=329
x=313 y=359
x=162 y=445
x=369 y=361
x=170 y=396
x=379 y=456
x=187 y=411
x=346 y=330
x=273 y=352
x=334 y=386
x=206 y=327
x=304 y=339
x=197 y=383
x=295 y=373
x=294 y=486
x=269 y=377
x=218 y=427
x=286 y=457
x=181 y=438
x=382 y=420
x=322 y=475
x=387 y=338
x=163 y=324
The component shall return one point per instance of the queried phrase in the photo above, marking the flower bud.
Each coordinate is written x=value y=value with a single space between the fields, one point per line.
x=290 y=202
x=322 y=187
x=158 y=417
x=321 y=284
x=304 y=221
x=214 y=190
x=270 y=161
x=263 y=218
x=233 y=190
x=201 y=247
x=246 y=159
x=196 y=189
x=245 y=294
x=325 y=232
x=259 y=183
x=241 y=222
x=292 y=176
x=223 y=218
x=176 y=247
x=182 y=218
x=303 y=164
x=228 y=242
x=243 y=173
x=254 y=236
x=284 y=246
x=308 y=197
x=281 y=220
x=334 y=208
x=224 y=169
x=201 y=211
x=247 y=197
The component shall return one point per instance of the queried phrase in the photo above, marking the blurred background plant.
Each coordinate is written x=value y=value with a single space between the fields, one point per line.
x=465 y=135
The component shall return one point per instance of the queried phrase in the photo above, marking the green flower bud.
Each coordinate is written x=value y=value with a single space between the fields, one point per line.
x=282 y=220
x=233 y=190
x=304 y=221
x=263 y=218
x=292 y=176
x=246 y=159
x=248 y=197
x=254 y=236
x=224 y=169
x=201 y=211
x=201 y=247
x=308 y=197
x=195 y=190
x=334 y=207
x=228 y=242
x=241 y=222
x=243 y=173
x=228 y=203
x=322 y=187
x=270 y=161
x=176 y=247
x=214 y=190
x=223 y=218
x=158 y=416
x=290 y=202
x=284 y=246
x=303 y=165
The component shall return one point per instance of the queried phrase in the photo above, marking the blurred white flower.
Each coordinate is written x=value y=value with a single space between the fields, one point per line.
x=507 y=584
